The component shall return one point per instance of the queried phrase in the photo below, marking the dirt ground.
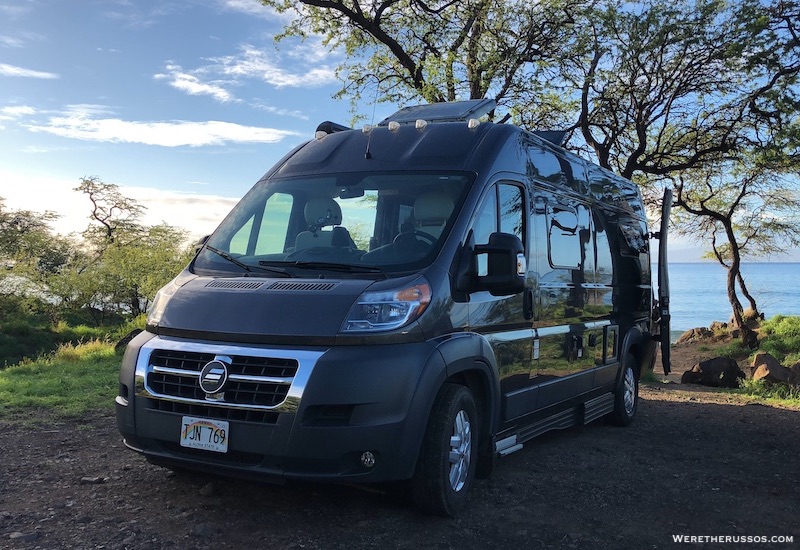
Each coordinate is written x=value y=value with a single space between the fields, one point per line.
x=695 y=462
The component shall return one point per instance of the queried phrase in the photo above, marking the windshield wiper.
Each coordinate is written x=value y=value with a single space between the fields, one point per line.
x=246 y=267
x=345 y=268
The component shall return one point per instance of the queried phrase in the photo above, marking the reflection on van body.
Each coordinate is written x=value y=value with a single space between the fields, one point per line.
x=404 y=303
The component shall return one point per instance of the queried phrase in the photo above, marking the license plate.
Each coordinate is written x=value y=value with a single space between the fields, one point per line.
x=205 y=434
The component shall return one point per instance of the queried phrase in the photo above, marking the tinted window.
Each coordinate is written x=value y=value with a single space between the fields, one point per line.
x=511 y=206
x=564 y=246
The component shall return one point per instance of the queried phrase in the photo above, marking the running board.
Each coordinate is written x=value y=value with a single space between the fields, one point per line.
x=506 y=446
x=581 y=414
x=598 y=407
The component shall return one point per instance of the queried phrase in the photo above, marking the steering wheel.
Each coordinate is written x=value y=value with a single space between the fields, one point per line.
x=409 y=239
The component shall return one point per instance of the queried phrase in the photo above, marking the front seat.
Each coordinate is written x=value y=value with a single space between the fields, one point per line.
x=431 y=212
x=322 y=212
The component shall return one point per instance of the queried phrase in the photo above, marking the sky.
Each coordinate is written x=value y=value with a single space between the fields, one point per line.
x=182 y=104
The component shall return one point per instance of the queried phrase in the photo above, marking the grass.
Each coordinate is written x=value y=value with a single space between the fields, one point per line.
x=73 y=380
x=23 y=340
x=771 y=393
x=780 y=337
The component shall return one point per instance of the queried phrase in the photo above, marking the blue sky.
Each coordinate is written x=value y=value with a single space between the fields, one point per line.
x=183 y=104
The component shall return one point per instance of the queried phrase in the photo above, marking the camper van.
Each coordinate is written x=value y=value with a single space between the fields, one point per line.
x=405 y=302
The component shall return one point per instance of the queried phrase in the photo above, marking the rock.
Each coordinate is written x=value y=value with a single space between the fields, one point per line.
x=767 y=368
x=719 y=372
x=694 y=334
x=208 y=490
x=794 y=377
x=718 y=326
x=24 y=537
x=92 y=480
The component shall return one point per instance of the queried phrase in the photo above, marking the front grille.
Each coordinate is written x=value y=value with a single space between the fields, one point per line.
x=258 y=382
x=217 y=413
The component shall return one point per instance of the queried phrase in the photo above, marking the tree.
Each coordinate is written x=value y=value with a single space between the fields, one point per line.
x=122 y=263
x=745 y=209
x=114 y=212
x=669 y=87
x=403 y=50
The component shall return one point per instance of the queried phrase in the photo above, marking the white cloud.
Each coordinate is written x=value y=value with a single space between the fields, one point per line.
x=253 y=63
x=252 y=7
x=12 y=70
x=16 y=10
x=11 y=42
x=278 y=111
x=77 y=124
x=13 y=112
x=192 y=85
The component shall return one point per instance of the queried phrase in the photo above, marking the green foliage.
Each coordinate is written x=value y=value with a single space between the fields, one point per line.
x=735 y=349
x=55 y=290
x=72 y=381
x=771 y=392
x=780 y=337
x=407 y=51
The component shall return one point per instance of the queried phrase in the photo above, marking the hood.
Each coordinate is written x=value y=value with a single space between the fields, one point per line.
x=260 y=310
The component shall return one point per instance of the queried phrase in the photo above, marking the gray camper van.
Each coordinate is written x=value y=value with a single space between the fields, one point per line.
x=405 y=302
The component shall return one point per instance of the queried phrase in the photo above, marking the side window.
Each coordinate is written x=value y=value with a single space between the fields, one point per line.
x=604 y=270
x=543 y=164
x=271 y=238
x=241 y=238
x=271 y=226
x=486 y=221
x=563 y=236
x=511 y=210
x=502 y=210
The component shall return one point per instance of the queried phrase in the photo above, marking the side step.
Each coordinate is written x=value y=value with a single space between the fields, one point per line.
x=581 y=414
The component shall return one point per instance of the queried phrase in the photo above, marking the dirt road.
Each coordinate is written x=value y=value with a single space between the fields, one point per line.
x=695 y=463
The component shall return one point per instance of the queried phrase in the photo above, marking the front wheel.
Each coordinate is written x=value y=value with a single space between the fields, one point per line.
x=446 y=465
x=626 y=398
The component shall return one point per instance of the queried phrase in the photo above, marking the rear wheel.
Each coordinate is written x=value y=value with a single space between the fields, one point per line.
x=446 y=465
x=626 y=398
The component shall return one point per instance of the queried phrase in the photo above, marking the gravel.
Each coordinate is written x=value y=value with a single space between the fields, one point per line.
x=694 y=462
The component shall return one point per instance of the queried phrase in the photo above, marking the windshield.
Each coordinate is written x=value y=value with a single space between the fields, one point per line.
x=347 y=223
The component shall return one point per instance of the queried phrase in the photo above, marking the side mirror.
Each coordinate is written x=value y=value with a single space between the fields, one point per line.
x=500 y=266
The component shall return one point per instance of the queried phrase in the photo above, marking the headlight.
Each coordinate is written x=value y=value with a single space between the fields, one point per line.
x=388 y=309
x=163 y=296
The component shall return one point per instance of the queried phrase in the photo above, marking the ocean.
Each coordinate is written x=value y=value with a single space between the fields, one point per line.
x=698 y=295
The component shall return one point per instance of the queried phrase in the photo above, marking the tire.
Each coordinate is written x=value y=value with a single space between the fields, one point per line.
x=446 y=465
x=626 y=398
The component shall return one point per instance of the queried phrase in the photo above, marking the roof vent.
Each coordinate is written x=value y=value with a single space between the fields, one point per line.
x=329 y=127
x=455 y=111
x=553 y=136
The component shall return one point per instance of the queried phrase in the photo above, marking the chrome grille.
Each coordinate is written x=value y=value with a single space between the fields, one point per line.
x=252 y=381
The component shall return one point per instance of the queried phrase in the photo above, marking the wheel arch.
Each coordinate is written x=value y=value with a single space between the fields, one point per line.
x=634 y=343
x=466 y=359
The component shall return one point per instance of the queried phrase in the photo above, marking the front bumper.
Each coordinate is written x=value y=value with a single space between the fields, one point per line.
x=342 y=401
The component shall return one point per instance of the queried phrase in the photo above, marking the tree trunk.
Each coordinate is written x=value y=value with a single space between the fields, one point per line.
x=747 y=295
x=748 y=335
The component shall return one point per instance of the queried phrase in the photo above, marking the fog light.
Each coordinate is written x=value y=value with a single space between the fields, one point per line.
x=367 y=459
